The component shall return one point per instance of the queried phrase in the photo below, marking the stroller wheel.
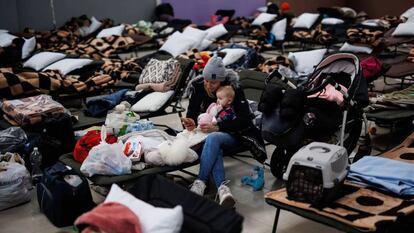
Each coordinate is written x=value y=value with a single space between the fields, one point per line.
x=277 y=162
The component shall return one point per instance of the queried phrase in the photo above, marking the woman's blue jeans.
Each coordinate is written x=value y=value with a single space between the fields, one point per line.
x=211 y=161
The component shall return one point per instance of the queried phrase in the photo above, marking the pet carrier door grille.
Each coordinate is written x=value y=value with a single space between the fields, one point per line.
x=305 y=184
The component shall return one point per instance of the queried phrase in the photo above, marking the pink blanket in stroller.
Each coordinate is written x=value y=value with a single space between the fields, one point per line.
x=331 y=94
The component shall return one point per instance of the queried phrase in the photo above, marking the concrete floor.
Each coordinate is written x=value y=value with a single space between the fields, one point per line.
x=258 y=216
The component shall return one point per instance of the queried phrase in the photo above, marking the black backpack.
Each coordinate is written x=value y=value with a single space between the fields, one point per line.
x=61 y=202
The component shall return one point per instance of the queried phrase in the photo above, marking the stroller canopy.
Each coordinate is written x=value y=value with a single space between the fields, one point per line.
x=341 y=63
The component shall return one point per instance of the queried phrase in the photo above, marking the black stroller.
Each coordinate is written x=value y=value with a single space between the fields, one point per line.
x=327 y=107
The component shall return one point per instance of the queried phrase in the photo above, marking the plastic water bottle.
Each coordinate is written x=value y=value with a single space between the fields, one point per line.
x=36 y=161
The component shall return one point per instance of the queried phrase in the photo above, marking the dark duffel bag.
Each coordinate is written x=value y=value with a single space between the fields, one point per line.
x=60 y=201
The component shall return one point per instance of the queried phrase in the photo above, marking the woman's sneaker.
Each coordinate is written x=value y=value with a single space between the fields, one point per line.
x=225 y=197
x=198 y=187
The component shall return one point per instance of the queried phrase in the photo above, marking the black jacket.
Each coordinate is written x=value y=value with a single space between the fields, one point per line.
x=241 y=127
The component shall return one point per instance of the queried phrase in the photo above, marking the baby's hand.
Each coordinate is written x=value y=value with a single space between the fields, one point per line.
x=208 y=128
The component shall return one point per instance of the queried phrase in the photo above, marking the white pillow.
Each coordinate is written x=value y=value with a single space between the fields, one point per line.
x=113 y=31
x=306 y=61
x=41 y=60
x=372 y=22
x=152 y=219
x=279 y=29
x=67 y=65
x=152 y=102
x=346 y=47
x=87 y=30
x=28 y=47
x=3 y=30
x=6 y=39
x=306 y=20
x=204 y=44
x=332 y=21
x=263 y=18
x=404 y=29
x=262 y=9
x=216 y=31
x=177 y=44
x=196 y=34
x=408 y=13
x=232 y=55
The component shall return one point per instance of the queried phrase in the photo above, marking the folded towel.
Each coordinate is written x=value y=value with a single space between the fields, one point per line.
x=383 y=173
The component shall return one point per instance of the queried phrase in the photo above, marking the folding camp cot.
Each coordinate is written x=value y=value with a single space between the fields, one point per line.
x=358 y=209
x=200 y=214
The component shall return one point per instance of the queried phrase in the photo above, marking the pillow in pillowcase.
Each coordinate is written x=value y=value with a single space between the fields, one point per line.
x=232 y=55
x=279 y=29
x=306 y=20
x=404 y=29
x=43 y=59
x=204 y=44
x=113 y=31
x=216 y=31
x=332 y=21
x=68 y=65
x=87 y=30
x=6 y=39
x=196 y=34
x=28 y=47
x=409 y=13
x=346 y=47
x=177 y=44
x=153 y=219
x=306 y=61
x=263 y=18
x=152 y=102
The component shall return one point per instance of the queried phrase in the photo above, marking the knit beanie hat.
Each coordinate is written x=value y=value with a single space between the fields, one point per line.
x=215 y=70
x=111 y=217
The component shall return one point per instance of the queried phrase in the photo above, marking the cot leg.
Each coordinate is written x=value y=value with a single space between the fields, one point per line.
x=276 y=220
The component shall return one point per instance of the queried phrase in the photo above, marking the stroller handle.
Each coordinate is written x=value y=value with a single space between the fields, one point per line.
x=277 y=74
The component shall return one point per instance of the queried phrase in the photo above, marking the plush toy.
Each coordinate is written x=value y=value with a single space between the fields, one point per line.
x=123 y=106
x=209 y=116
x=175 y=152
x=256 y=180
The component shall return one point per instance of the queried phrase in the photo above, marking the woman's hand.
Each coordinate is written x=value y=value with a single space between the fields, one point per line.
x=188 y=123
x=208 y=128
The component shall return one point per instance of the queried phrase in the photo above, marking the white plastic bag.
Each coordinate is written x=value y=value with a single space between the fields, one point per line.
x=106 y=159
x=15 y=184
x=115 y=121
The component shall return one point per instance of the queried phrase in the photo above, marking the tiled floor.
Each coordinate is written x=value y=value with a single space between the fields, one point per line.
x=258 y=216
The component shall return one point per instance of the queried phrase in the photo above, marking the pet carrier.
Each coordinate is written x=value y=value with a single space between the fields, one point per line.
x=316 y=172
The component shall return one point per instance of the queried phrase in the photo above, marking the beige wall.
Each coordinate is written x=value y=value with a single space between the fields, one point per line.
x=378 y=8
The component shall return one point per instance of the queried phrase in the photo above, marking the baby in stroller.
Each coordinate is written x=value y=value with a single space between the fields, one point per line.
x=327 y=107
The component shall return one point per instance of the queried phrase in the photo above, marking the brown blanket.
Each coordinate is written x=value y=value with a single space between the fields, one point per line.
x=364 y=36
x=15 y=83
